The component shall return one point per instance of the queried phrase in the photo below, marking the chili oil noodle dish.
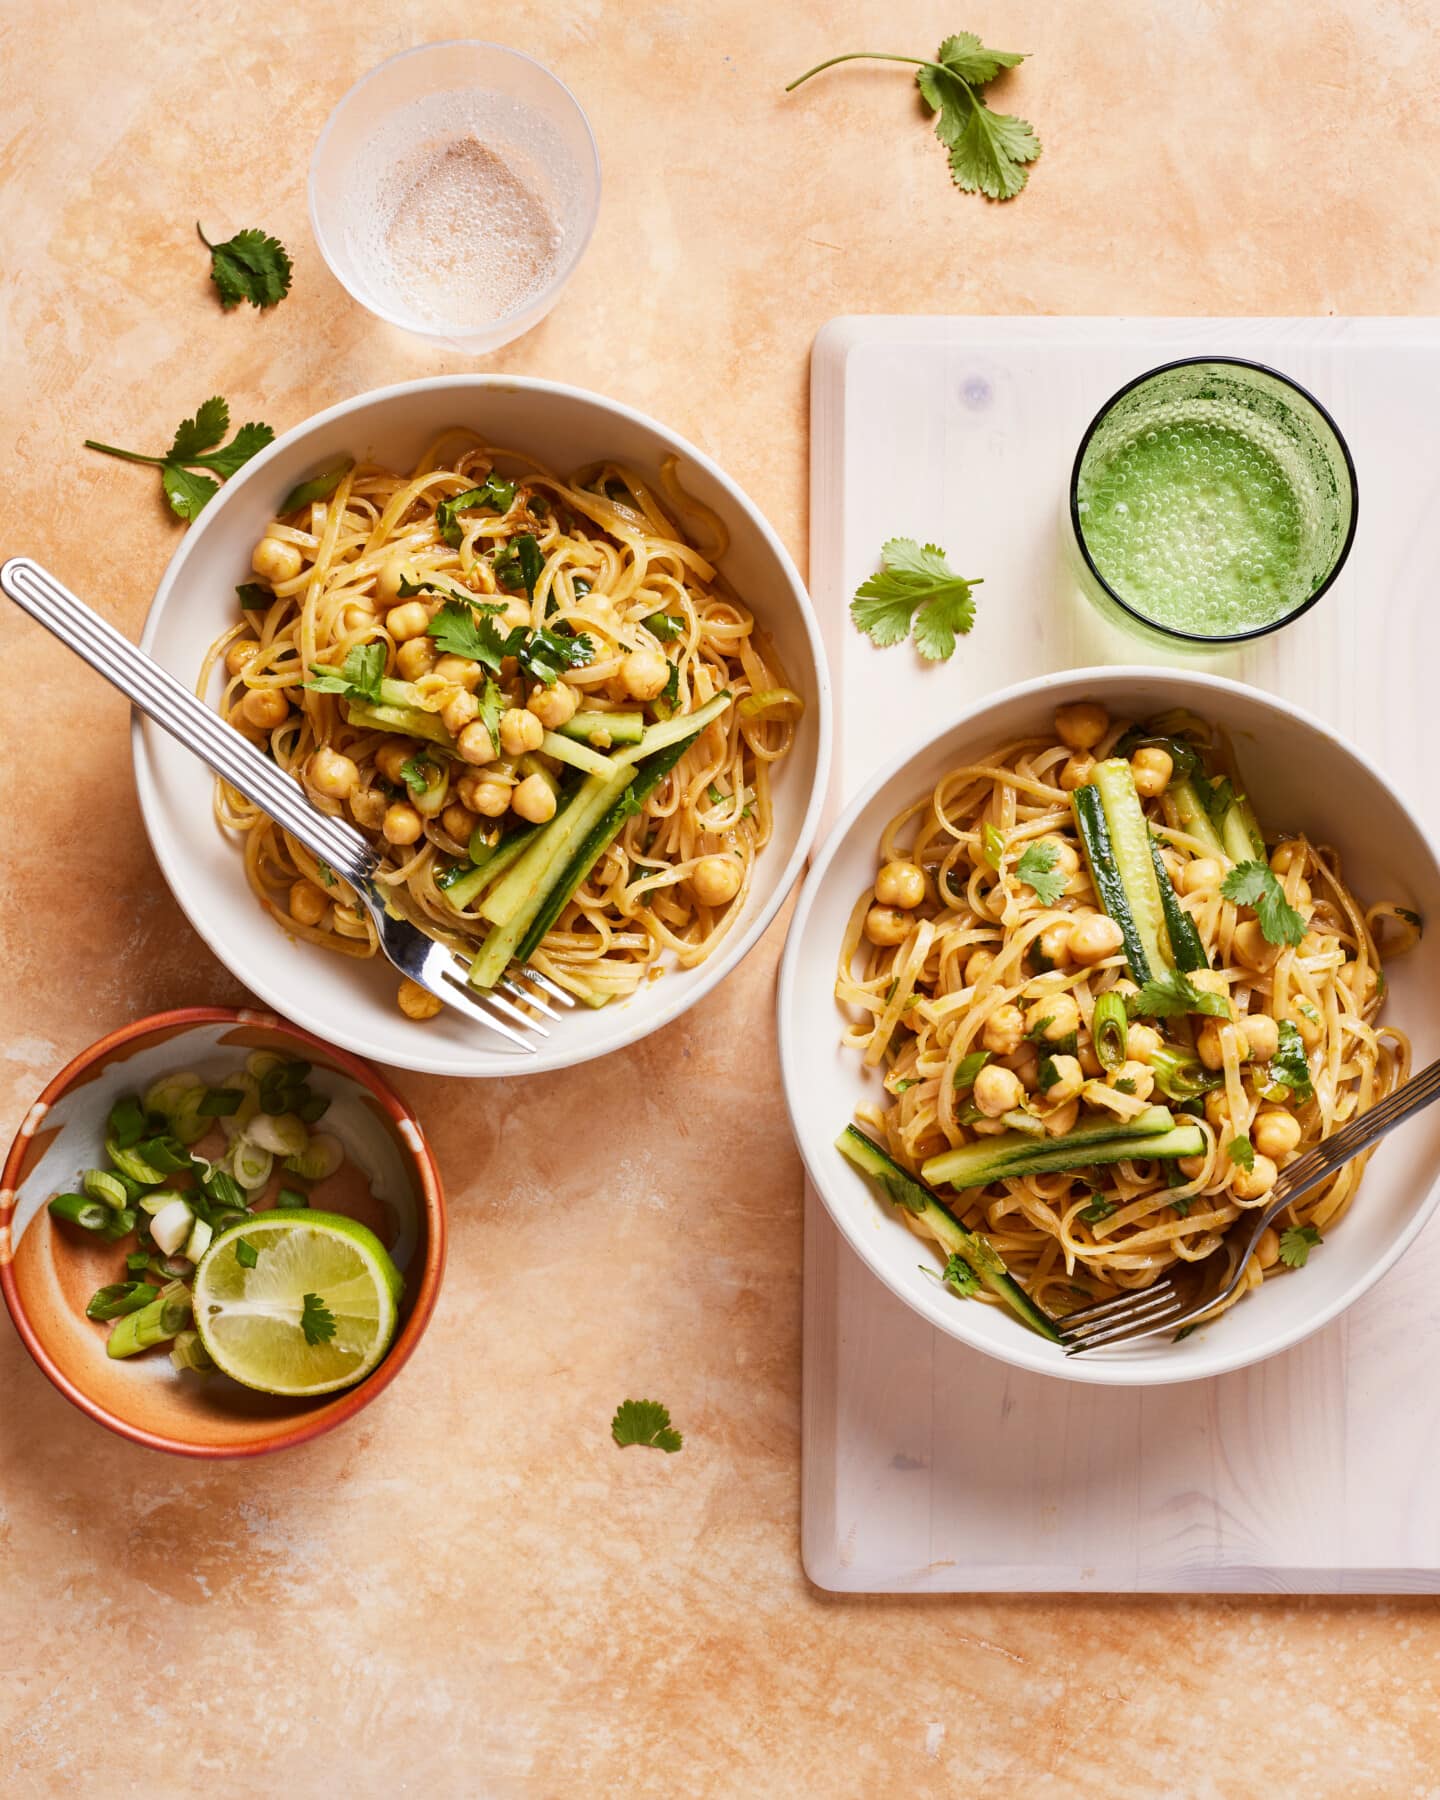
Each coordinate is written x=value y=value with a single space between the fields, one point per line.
x=536 y=697
x=1108 y=1011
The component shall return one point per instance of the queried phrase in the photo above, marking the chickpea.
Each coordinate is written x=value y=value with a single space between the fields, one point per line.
x=474 y=745
x=1267 y=1249
x=977 y=965
x=394 y=570
x=1093 y=938
x=997 y=1091
x=408 y=620
x=415 y=657
x=1088 y=1060
x=391 y=758
x=491 y=799
x=307 y=902
x=1202 y=874
x=1077 y=771
x=1217 y=1109
x=1143 y=1043
x=458 y=712
x=367 y=807
x=1004 y=1030
x=520 y=731
x=1209 y=981
x=1152 y=768
x=274 y=560
x=885 y=926
x=534 y=799
x=1253 y=948
x=402 y=824
x=1210 y=1045
x=1251 y=1184
x=1191 y=1166
x=356 y=614
x=1024 y=1062
x=517 y=612
x=1285 y=855
x=1054 y=942
x=1081 y=725
x=417 y=1002
x=715 y=880
x=1138 y=1078
x=242 y=652
x=332 y=774
x=458 y=822
x=644 y=673
x=554 y=706
x=1275 y=1132
x=1053 y=1018
x=460 y=672
x=1307 y=1021
x=1061 y=1119
x=900 y=884
x=1068 y=1080
x=265 y=708
x=1261 y=1035
x=1302 y=897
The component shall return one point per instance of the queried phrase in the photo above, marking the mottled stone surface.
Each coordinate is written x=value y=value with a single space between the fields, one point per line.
x=470 y=1591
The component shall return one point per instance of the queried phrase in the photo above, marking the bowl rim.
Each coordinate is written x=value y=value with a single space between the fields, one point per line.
x=1029 y=1352
x=658 y=1011
x=350 y=1400
x=537 y=305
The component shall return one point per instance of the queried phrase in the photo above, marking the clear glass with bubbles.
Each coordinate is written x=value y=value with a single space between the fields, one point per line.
x=453 y=191
x=1212 y=501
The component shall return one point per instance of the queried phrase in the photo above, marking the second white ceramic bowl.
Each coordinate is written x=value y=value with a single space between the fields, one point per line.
x=1303 y=778
x=352 y=1003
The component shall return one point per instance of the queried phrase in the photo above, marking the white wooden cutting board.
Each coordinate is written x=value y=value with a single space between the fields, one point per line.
x=927 y=1467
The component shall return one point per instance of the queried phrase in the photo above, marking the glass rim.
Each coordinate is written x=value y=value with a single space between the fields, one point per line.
x=1170 y=631
x=546 y=296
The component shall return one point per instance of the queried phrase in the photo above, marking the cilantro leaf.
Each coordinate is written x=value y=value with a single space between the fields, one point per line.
x=967 y=58
x=1164 y=996
x=1036 y=868
x=416 y=773
x=495 y=496
x=253 y=597
x=1256 y=884
x=669 y=695
x=1290 y=1063
x=492 y=706
x=664 y=627
x=917 y=589
x=326 y=873
x=245 y=1253
x=545 y=655
x=316 y=1320
x=248 y=266
x=1241 y=1152
x=959 y=1277
x=459 y=632
x=1296 y=1243
x=969 y=1067
x=1099 y=1208
x=520 y=564
x=359 y=677
x=194 y=446
x=645 y=1422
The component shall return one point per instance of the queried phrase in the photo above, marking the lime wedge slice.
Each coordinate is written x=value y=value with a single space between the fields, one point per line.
x=314 y=1270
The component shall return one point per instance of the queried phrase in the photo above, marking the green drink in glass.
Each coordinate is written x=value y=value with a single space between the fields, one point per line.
x=1211 y=501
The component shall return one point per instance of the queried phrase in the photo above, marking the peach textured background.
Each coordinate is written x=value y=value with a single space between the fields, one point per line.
x=470 y=1591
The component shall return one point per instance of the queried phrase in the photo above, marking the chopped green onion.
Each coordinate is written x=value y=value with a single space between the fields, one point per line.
x=224 y=1190
x=127 y=1122
x=219 y=1103
x=290 y=1197
x=81 y=1210
x=119 y=1298
x=252 y=1165
x=161 y=1198
x=167 y=1314
x=319 y=487
x=137 y=1262
x=165 y=1154
x=320 y=1158
x=245 y=1253
x=313 y=1108
x=1108 y=1029
x=188 y=1352
x=100 y=1184
x=760 y=706
x=119 y=1225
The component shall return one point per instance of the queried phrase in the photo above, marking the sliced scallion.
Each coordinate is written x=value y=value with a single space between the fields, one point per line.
x=101 y=1184
x=81 y=1210
x=119 y=1298
x=1108 y=1029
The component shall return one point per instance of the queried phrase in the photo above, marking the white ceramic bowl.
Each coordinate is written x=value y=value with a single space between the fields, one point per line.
x=353 y=1003
x=1303 y=777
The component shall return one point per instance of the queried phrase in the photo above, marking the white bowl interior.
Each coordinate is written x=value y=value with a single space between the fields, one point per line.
x=1302 y=778
x=351 y=1002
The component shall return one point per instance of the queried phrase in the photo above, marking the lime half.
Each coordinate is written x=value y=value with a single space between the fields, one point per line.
x=315 y=1312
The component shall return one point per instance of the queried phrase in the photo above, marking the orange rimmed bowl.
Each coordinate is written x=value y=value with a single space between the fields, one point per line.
x=48 y=1273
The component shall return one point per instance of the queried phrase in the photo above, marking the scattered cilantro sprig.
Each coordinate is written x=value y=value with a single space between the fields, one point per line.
x=1242 y=1153
x=1036 y=868
x=1256 y=884
x=1165 y=996
x=645 y=1422
x=358 y=677
x=987 y=150
x=316 y=1320
x=1290 y=1063
x=1296 y=1243
x=197 y=446
x=248 y=266
x=915 y=592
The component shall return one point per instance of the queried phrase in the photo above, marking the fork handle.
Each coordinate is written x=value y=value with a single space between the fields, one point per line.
x=1332 y=1153
x=188 y=720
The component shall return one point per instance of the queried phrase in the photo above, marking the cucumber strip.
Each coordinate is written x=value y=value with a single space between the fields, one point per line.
x=412 y=721
x=489 y=866
x=619 y=727
x=1095 y=836
x=1195 y=821
x=957 y=1240
x=683 y=725
x=1241 y=834
x=1129 y=833
x=552 y=846
x=579 y=756
x=1184 y=938
x=961 y=1169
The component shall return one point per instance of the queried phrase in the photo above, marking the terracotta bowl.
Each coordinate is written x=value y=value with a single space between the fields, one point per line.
x=48 y=1271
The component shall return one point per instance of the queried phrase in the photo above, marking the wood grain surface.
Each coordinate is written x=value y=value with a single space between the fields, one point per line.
x=470 y=1591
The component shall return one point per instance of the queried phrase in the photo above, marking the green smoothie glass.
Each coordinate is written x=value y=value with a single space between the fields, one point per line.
x=1212 y=501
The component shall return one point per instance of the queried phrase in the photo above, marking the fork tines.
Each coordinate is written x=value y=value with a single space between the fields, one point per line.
x=1115 y=1321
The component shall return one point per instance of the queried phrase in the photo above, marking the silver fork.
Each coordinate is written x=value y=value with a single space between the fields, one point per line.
x=190 y=722
x=1162 y=1307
